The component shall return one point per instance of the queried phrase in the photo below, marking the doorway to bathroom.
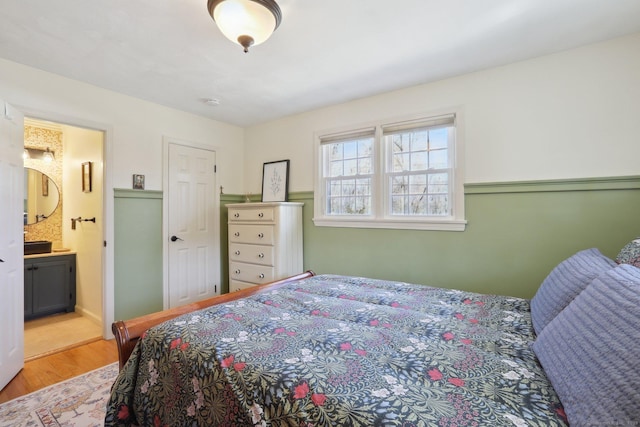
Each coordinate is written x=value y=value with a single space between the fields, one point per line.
x=73 y=224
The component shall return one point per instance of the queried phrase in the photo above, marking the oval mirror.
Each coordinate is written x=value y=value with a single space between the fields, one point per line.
x=41 y=196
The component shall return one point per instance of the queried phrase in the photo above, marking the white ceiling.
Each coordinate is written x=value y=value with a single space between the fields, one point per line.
x=325 y=51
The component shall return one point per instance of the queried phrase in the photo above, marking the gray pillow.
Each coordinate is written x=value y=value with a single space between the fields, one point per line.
x=590 y=351
x=564 y=283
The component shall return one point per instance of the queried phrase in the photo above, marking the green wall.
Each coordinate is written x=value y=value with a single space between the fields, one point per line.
x=138 y=252
x=516 y=233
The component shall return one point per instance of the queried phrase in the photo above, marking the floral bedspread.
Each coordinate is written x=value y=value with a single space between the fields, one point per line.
x=340 y=351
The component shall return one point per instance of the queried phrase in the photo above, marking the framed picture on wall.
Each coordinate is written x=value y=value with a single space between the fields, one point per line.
x=275 y=181
x=138 y=182
x=86 y=177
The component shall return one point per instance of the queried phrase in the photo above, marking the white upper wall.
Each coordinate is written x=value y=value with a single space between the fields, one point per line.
x=136 y=127
x=575 y=114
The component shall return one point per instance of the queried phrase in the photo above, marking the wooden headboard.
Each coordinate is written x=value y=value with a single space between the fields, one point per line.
x=128 y=332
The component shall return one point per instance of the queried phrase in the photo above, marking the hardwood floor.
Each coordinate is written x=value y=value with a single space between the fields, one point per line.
x=48 y=370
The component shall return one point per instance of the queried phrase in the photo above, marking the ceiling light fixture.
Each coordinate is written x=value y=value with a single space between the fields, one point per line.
x=246 y=22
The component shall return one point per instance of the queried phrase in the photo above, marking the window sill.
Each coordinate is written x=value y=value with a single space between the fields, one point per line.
x=404 y=224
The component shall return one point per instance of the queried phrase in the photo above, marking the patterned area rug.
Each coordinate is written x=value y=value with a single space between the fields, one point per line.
x=79 y=401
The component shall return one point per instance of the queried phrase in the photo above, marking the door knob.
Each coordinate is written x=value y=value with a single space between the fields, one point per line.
x=174 y=238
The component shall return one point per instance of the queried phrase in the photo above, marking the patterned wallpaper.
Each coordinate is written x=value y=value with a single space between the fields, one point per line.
x=35 y=137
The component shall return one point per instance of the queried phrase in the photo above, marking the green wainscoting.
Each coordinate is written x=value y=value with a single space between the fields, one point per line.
x=138 y=252
x=516 y=233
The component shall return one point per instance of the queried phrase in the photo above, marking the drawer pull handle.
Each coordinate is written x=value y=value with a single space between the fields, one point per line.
x=237 y=234
x=261 y=275
x=237 y=252
x=260 y=255
x=237 y=271
x=237 y=215
x=260 y=215
x=261 y=235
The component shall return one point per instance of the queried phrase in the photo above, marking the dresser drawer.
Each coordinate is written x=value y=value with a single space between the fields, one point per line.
x=235 y=285
x=253 y=234
x=250 y=272
x=256 y=254
x=257 y=214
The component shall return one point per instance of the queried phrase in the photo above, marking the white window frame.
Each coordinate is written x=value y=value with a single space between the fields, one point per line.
x=380 y=191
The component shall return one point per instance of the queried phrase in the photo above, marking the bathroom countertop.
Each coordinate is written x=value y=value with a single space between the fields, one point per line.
x=55 y=252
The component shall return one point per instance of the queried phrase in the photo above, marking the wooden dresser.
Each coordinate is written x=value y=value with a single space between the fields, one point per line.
x=265 y=242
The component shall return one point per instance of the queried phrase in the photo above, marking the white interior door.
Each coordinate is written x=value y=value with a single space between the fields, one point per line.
x=193 y=225
x=11 y=251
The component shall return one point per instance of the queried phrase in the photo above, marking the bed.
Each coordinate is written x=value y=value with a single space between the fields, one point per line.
x=315 y=350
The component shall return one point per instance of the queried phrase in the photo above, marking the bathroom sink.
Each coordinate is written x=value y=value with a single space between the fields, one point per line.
x=37 y=247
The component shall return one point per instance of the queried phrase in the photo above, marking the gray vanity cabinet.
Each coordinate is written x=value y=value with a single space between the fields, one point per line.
x=49 y=285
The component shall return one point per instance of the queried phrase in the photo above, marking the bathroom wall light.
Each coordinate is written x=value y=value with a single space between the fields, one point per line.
x=38 y=154
x=47 y=156
x=246 y=22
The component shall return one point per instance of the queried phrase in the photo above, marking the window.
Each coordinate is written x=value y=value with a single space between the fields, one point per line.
x=348 y=173
x=395 y=175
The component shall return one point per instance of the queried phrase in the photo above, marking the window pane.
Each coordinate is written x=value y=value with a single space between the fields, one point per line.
x=336 y=168
x=438 y=179
x=420 y=140
x=397 y=205
x=335 y=151
x=418 y=184
x=401 y=162
x=438 y=205
x=438 y=159
x=351 y=167
x=399 y=185
x=438 y=183
x=398 y=143
x=363 y=187
x=418 y=205
x=419 y=161
x=334 y=205
x=362 y=205
x=348 y=187
x=350 y=150
x=364 y=166
x=438 y=138
x=365 y=147
x=335 y=188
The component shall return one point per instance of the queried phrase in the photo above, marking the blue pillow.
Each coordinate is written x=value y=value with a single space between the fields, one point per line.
x=564 y=283
x=591 y=351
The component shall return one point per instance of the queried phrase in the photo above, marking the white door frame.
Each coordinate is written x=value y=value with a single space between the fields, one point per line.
x=108 y=287
x=166 y=140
